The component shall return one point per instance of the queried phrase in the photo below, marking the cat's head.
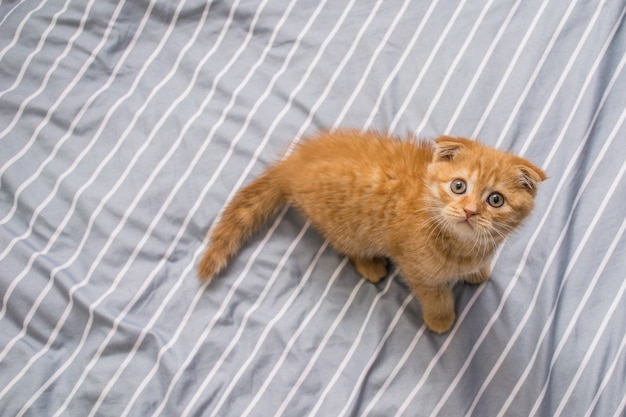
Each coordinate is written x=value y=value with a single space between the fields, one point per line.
x=480 y=192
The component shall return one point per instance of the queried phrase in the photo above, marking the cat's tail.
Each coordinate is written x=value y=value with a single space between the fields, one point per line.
x=250 y=209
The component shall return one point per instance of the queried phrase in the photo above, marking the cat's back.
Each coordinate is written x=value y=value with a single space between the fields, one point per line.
x=351 y=185
x=357 y=177
x=351 y=152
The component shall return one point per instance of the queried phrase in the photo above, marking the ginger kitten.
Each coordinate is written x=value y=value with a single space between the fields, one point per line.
x=437 y=210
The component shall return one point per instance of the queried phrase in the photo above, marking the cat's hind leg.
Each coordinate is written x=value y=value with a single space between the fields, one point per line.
x=373 y=269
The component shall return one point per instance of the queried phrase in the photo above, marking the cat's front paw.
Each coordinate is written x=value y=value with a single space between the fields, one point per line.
x=440 y=323
x=437 y=307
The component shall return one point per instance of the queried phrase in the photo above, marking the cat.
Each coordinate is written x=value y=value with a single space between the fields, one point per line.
x=437 y=209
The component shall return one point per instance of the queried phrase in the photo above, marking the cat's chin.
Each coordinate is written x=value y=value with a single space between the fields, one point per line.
x=465 y=229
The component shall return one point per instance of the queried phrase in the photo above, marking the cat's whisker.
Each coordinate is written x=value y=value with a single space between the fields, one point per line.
x=435 y=224
x=503 y=230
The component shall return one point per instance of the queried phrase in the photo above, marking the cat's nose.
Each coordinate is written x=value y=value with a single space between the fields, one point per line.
x=469 y=212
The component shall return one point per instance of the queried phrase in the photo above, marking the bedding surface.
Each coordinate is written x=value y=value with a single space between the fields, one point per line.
x=126 y=126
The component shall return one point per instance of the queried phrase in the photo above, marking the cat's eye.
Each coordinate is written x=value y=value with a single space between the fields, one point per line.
x=458 y=186
x=495 y=200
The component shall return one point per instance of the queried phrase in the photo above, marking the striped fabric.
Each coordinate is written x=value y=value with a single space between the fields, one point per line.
x=126 y=126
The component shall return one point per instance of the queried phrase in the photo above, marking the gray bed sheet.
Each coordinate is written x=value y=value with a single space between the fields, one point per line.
x=126 y=126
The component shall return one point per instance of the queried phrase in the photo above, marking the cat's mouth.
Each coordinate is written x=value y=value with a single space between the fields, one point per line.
x=463 y=220
x=466 y=226
x=467 y=223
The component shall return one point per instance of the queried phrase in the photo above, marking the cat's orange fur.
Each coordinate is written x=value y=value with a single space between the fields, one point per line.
x=374 y=197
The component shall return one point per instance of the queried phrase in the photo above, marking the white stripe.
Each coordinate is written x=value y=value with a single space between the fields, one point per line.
x=293 y=338
x=153 y=320
x=568 y=169
x=211 y=324
x=607 y=376
x=312 y=111
x=357 y=341
x=368 y=367
x=188 y=314
x=64 y=94
x=194 y=163
x=553 y=148
x=200 y=292
x=316 y=60
x=50 y=197
x=249 y=312
x=182 y=325
x=84 y=282
x=20 y=276
x=498 y=311
x=481 y=67
x=533 y=77
x=477 y=293
x=319 y=101
x=399 y=366
x=597 y=162
x=619 y=412
x=533 y=301
x=81 y=112
x=320 y=347
x=509 y=69
x=321 y=50
x=405 y=357
x=572 y=323
x=343 y=111
x=561 y=79
x=451 y=69
x=426 y=66
x=270 y=324
x=603 y=325
x=396 y=119
x=507 y=293
x=33 y=177
x=370 y=65
x=31 y=55
x=396 y=68
x=432 y=363
x=170 y=197
x=19 y=29
x=346 y=106
x=25 y=102
x=470 y=304
x=339 y=69
x=573 y=260
x=11 y=11
x=592 y=71
x=543 y=275
x=341 y=115
x=358 y=385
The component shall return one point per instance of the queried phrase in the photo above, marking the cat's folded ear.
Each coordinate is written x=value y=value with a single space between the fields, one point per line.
x=447 y=148
x=530 y=177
